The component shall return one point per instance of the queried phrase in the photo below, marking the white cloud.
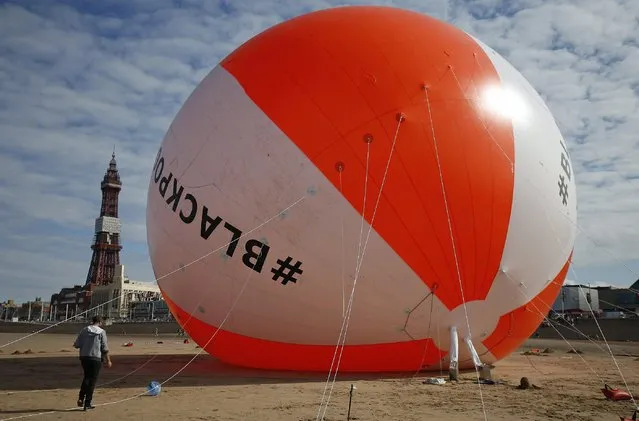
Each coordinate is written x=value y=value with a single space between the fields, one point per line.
x=74 y=82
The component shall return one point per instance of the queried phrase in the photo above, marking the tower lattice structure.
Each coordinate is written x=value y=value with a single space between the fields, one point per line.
x=106 y=241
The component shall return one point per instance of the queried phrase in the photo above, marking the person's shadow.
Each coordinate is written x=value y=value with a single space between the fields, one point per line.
x=38 y=411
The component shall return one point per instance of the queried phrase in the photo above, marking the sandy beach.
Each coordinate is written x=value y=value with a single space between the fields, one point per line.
x=43 y=384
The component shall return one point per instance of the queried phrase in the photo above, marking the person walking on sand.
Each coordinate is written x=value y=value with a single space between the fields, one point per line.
x=94 y=350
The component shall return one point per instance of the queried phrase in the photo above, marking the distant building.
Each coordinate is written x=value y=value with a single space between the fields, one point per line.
x=104 y=299
x=8 y=311
x=607 y=302
x=150 y=310
x=577 y=299
x=66 y=303
x=36 y=310
x=617 y=302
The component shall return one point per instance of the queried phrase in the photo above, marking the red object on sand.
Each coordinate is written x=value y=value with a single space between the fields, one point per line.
x=615 y=394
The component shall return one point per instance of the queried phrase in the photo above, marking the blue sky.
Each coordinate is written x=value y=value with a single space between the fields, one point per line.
x=78 y=77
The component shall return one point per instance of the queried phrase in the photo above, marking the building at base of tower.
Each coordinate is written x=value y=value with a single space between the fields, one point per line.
x=119 y=298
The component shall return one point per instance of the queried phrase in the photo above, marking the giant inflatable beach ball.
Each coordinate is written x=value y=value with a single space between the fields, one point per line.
x=366 y=149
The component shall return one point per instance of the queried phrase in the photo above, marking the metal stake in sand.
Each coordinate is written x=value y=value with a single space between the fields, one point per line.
x=484 y=370
x=350 y=400
x=453 y=368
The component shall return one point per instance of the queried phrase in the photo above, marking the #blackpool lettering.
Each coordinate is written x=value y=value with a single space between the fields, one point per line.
x=255 y=252
x=566 y=177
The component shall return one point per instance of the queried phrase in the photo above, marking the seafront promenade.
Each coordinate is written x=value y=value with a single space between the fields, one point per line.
x=617 y=330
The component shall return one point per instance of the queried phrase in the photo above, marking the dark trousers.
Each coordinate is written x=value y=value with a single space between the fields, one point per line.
x=91 y=367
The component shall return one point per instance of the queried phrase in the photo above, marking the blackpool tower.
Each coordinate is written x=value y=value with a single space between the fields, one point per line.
x=106 y=241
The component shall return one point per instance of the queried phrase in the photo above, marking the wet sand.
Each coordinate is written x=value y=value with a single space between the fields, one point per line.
x=43 y=384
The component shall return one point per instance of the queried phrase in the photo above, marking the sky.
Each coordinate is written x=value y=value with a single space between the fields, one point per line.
x=77 y=78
